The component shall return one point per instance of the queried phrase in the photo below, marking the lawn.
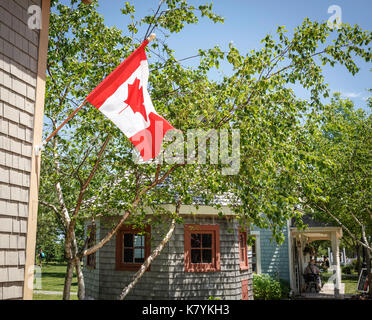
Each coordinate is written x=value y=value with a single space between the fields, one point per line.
x=52 y=279
x=350 y=285
x=40 y=296
x=350 y=280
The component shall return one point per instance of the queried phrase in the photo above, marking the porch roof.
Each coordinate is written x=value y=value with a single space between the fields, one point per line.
x=317 y=233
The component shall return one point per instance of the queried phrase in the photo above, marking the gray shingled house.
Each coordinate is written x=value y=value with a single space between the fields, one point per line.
x=207 y=256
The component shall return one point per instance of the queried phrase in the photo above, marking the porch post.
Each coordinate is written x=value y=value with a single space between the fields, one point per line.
x=344 y=256
x=301 y=267
x=330 y=258
x=290 y=255
x=336 y=262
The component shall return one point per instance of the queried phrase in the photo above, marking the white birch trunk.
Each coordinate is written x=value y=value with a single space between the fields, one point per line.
x=68 y=280
x=80 y=279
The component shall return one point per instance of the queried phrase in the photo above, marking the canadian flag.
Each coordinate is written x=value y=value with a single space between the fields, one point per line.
x=123 y=98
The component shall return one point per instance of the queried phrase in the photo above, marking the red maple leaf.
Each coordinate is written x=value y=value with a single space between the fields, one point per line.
x=135 y=99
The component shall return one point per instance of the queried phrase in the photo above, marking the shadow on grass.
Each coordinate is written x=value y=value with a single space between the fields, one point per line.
x=53 y=274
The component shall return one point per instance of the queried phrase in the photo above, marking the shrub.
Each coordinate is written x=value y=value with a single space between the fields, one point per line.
x=286 y=288
x=266 y=288
x=347 y=269
x=354 y=264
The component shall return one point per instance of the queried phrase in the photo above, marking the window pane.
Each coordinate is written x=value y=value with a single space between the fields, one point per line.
x=195 y=240
x=139 y=240
x=242 y=255
x=195 y=256
x=128 y=255
x=128 y=240
x=207 y=256
x=207 y=240
x=254 y=257
x=242 y=242
x=139 y=255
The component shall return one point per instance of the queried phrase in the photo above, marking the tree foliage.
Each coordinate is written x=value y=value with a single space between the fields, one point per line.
x=342 y=193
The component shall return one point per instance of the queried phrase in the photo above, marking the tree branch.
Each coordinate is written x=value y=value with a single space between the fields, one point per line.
x=152 y=20
x=151 y=257
x=54 y=208
x=126 y=214
x=366 y=244
x=58 y=187
x=82 y=193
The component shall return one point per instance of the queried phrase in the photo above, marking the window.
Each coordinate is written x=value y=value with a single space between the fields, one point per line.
x=254 y=257
x=256 y=253
x=243 y=254
x=132 y=248
x=91 y=234
x=202 y=248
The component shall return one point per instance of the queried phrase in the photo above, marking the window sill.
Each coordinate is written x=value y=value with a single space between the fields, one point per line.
x=90 y=267
x=202 y=268
x=244 y=268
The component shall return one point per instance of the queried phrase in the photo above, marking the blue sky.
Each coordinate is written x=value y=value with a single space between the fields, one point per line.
x=248 y=21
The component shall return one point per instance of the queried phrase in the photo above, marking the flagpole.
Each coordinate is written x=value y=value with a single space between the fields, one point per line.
x=151 y=37
x=64 y=122
x=41 y=147
x=38 y=148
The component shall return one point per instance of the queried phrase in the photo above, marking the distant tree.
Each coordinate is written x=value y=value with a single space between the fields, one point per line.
x=343 y=180
x=49 y=235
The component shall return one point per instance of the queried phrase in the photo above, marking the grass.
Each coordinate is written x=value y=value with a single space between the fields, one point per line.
x=350 y=286
x=350 y=280
x=52 y=279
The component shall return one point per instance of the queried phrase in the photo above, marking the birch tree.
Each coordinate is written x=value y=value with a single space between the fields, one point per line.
x=343 y=176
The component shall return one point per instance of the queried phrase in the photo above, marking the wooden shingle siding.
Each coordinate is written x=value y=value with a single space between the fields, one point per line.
x=167 y=278
x=274 y=257
x=18 y=76
x=91 y=275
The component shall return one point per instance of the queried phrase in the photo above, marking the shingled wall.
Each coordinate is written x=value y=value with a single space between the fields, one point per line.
x=167 y=278
x=274 y=256
x=18 y=76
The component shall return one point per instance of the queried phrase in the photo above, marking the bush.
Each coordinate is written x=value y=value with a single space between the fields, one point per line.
x=347 y=269
x=267 y=288
x=286 y=288
x=354 y=265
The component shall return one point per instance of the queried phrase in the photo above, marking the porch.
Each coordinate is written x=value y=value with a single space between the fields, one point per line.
x=299 y=239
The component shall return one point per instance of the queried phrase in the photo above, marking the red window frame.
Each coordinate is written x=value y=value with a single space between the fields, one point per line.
x=214 y=230
x=243 y=250
x=127 y=266
x=91 y=259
